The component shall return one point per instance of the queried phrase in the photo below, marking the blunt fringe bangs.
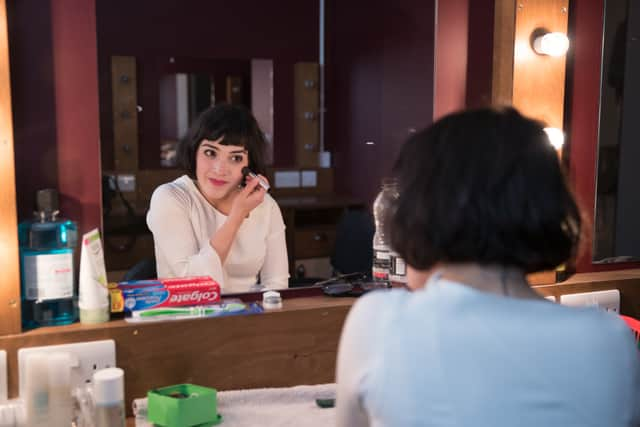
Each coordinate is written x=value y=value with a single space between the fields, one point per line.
x=235 y=124
x=483 y=186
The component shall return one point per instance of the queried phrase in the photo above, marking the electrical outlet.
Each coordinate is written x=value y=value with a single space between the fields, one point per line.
x=87 y=357
x=3 y=376
x=606 y=300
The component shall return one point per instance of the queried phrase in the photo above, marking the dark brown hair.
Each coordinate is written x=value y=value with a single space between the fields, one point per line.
x=235 y=124
x=483 y=186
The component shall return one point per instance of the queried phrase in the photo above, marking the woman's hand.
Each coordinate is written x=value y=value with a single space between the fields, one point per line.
x=249 y=197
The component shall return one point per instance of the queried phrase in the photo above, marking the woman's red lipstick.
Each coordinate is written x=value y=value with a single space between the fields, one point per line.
x=217 y=182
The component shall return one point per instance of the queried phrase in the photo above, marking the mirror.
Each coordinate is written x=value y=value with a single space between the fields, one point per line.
x=189 y=86
x=182 y=59
x=617 y=213
x=379 y=80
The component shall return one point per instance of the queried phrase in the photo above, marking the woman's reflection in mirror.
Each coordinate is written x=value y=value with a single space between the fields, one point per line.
x=213 y=221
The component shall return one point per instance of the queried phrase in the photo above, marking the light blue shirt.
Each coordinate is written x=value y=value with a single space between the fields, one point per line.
x=451 y=355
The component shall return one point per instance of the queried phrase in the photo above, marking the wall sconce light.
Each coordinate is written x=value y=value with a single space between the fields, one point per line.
x=556 y=137
x=551 y=44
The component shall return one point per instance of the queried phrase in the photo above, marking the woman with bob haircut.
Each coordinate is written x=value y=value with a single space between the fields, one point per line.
x=482 y=202
x=206 y=222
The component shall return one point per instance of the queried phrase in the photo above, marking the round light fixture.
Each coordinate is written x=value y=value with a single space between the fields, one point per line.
x=556 y=137
x=552 y=44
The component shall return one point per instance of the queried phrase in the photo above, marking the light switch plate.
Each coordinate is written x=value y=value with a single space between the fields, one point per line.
x=87 y=357
x=606 y=300
x=287 y=179
x=309 y=178
x=127 y=182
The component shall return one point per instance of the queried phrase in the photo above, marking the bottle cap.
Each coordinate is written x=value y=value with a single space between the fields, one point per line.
x=47 y=200
x=108 y=386
x=271 y=300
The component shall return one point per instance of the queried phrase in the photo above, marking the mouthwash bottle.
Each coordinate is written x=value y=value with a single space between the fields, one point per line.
x=47 y=246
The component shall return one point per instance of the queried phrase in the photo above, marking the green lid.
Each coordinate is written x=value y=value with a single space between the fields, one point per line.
x=183 y=405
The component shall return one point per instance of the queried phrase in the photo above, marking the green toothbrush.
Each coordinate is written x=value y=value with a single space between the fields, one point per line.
x=190 y=311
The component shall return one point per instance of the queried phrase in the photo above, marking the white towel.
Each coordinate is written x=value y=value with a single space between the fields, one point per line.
x=287 y=406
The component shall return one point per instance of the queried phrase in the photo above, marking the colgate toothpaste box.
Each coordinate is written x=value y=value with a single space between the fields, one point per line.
x=174 y=292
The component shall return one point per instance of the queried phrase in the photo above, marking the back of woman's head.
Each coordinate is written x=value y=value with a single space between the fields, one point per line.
x=235 y=125
x=483 y=186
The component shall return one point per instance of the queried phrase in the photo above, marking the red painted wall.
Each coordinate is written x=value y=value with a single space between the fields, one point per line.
x=55 y=96
x=75 y=70
x=451 y=52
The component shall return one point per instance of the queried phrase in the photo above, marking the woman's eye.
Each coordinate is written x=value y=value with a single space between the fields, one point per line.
x=209 y=153
x=237 y=158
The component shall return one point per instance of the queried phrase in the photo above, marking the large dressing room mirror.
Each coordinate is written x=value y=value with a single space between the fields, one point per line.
x=617 y=213
x=157 y=67
x=378 y=87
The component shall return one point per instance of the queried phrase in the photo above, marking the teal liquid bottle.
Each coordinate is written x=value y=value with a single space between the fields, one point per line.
x=47 y=272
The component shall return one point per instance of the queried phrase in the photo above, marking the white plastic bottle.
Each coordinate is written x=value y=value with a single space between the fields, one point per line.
x=36 y=392
x=108 y=396
x=60 y=400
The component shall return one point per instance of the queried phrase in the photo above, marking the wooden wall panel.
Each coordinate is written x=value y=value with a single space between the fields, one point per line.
x=125 y=115
x=532 y=83
x=9 y=262
x=306 y=103
x=503 y=38
x=539 y=80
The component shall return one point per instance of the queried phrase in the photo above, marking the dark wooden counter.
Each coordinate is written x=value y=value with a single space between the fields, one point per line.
x=292 y=346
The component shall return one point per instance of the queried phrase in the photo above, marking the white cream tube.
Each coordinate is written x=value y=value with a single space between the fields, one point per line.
x=94 y=296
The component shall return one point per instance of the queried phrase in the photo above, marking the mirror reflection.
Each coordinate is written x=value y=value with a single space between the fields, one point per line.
x=375 y=98
x=160 y=67
x=617 y=214
x=185 y=93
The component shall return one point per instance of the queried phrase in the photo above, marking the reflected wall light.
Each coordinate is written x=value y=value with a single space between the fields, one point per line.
x=556 y=137
x=551 y=44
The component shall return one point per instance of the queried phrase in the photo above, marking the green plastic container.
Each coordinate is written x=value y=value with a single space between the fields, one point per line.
x=183 y=405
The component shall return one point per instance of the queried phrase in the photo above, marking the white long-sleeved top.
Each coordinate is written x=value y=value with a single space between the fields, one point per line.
x=451 y=355
x=183 y=221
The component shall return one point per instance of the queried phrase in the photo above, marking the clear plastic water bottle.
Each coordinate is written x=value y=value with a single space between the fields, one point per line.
x=387 y=264
x=47 y=276
x=381 y=248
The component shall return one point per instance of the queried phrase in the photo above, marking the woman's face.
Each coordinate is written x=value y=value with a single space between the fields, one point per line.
x=219 y=169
